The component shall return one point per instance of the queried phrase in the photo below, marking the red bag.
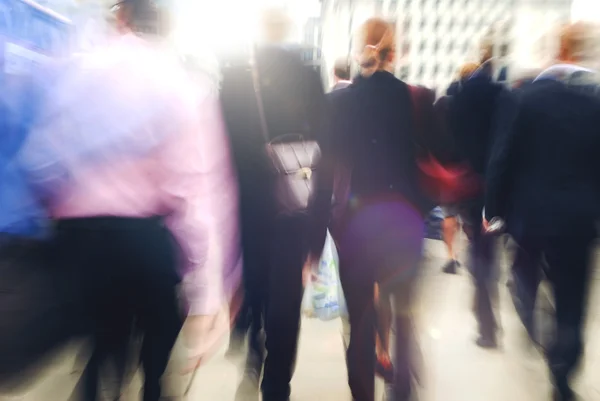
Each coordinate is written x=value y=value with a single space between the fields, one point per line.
x=444 y=183
x=449 y=184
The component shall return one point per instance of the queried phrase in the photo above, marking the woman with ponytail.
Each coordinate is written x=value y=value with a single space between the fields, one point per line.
x=379 y=124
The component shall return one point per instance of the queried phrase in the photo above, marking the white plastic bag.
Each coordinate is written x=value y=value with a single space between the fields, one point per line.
x=326 y=288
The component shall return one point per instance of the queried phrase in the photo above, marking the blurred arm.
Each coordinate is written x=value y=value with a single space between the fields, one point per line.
x=205 y=222
x=499 y=169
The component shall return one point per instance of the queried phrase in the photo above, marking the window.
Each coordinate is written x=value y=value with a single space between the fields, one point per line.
x=404 y=72
x=405 y=49
x=378 y=6
x=466 y=47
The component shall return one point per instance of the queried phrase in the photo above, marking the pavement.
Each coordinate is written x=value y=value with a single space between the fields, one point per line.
x=454 y=369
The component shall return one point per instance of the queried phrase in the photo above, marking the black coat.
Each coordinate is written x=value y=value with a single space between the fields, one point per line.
x=544 y=170
x=294 y=102
x=375 y=141
x=471 y=113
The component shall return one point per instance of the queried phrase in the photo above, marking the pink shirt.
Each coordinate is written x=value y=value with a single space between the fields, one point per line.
x=126 y=132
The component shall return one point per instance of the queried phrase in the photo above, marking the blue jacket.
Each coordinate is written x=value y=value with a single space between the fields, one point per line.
x=21 y=212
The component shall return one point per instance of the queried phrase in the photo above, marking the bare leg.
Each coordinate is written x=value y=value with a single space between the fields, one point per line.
x=449 y=230
x=384 y=323
x=383 y=307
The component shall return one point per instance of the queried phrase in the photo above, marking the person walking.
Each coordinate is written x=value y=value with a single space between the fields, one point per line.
x=142 y=191
x=274 y=102
x=543 y=182
x=379 y=206
x=450 y=224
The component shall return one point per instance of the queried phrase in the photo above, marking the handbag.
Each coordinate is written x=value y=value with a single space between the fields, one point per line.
x=294 y=162
x=446 y=184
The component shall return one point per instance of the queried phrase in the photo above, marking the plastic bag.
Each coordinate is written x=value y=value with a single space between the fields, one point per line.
x=326 y=287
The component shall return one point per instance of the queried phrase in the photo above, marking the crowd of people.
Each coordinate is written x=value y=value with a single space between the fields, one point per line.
x=141 y=199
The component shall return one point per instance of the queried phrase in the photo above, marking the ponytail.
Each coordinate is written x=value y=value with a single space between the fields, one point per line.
x=373 y=56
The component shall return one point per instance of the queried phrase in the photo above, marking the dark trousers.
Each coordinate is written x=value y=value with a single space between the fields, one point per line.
x=527 y=272
x=39 y=309
x=250 y=321
x=126 y=269
x=568 y=266
x=483 y=269
x=380 y=243
x=358 y=286
x=288 y=250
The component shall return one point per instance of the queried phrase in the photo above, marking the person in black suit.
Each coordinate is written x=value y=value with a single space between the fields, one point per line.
x=543 y=180
x=470 y=118
x=379 y=206
x=276 y=247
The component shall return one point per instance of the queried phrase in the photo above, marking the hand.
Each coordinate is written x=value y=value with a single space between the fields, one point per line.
x=202 y=336
x=485 y=224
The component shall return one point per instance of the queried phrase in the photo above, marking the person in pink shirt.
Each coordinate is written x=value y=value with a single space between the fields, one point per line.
x=132 y=160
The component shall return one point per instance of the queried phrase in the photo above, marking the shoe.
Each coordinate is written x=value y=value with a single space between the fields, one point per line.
x=568 y=396
x=389 y=394
x=248 y=390
x=450 y=267
x=385 y=370
x=486 y=342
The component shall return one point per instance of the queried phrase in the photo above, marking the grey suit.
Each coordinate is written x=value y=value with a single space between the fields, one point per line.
x=341 y=85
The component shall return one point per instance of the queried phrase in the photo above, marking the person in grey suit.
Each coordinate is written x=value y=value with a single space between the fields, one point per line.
x=341 y=75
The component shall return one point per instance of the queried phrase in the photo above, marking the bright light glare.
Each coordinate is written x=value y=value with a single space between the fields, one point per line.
x=229 y=25
x=215 y=26
x=586 y=10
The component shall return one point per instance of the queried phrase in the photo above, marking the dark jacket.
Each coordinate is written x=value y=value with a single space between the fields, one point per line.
x=470 y=120
x=544 y=171
x=294 y=102
x=374 y=143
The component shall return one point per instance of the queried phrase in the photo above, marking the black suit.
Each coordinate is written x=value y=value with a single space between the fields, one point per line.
x=378 y=216
x=472 y=115
x=275 y=247
x=544 y=179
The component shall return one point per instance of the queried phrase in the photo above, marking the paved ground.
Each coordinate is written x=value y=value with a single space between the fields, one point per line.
x=454 y=368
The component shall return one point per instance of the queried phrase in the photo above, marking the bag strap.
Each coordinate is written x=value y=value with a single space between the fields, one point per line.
x=264 y=128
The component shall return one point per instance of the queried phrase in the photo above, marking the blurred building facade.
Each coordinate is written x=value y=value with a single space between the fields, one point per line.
x=436 y=36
